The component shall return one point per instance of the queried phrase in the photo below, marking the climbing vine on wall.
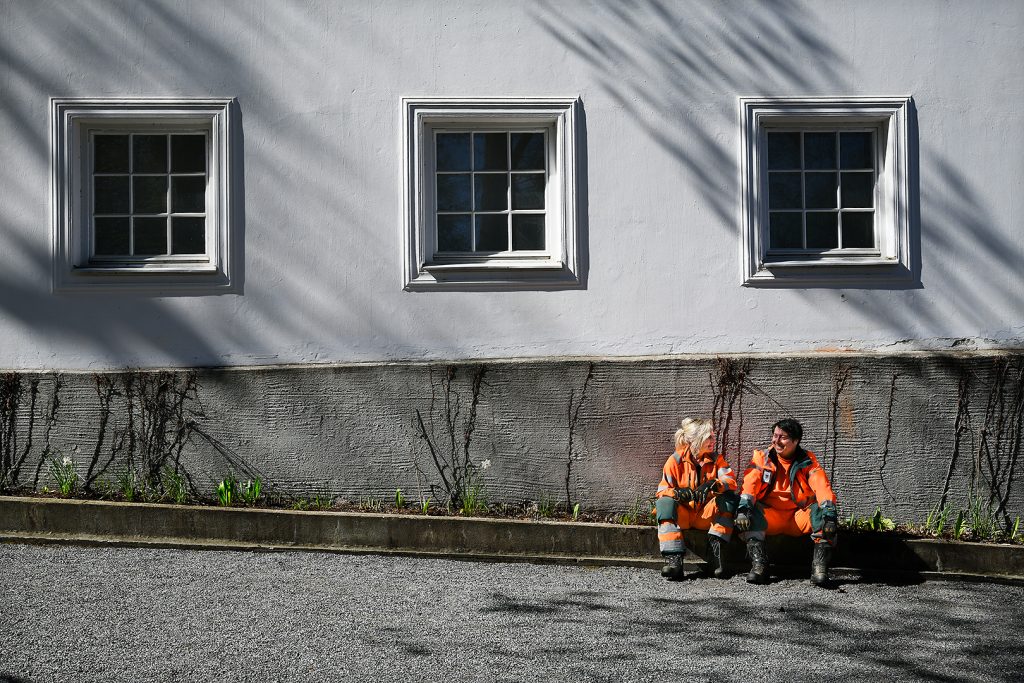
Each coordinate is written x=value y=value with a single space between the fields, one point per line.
x=146 y=419
x=572 y=418
x=448 y=433
x=729 y=381
x=20 y=406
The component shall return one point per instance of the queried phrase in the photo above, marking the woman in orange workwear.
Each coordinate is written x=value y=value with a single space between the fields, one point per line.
x=697 y=491
x=785 y=491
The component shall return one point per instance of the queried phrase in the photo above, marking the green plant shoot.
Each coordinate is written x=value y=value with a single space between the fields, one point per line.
x=251 y=491
x=65 y=475
x=226 y=490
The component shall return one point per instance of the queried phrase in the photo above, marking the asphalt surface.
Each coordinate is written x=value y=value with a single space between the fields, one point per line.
x=122 y=614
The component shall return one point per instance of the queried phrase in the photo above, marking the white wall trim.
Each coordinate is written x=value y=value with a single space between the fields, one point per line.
x=559 y=268
x=891 y=265
x=70 y=120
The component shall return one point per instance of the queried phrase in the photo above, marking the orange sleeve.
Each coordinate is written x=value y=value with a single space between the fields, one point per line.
x=819 y=482
x=724 y=473
x=669 y=477
x=752 y=478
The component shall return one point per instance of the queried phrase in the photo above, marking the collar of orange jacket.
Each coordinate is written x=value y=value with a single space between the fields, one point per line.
x=705 y=455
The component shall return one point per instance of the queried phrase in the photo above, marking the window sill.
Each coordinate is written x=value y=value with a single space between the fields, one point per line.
x=506 y=274
x=494 y=265
x=849 y=272
x=832 y=262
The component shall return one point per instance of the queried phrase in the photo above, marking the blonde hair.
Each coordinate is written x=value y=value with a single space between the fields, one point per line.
x=693 y=431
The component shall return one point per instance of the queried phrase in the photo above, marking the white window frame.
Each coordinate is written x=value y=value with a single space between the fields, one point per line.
x=554 y=267
x=888 y=264
x=73 y=122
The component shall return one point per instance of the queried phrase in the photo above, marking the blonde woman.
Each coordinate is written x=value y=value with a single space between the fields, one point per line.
x=697 y=491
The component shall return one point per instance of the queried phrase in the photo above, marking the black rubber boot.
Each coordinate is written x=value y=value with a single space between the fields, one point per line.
x=758 y=561
x=715 y=561
x=819 y=564
x=673 y=569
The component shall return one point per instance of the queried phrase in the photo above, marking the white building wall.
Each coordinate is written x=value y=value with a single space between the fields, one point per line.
x=319 y=85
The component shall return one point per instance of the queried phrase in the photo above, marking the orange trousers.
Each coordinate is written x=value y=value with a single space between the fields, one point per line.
x=769 y=521
x=707 y=517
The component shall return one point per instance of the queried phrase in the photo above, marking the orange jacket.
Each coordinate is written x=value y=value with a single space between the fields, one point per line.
x=682 y=470
x=808 y=482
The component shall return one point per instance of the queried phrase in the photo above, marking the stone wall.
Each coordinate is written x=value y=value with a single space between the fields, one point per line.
x=902 y=432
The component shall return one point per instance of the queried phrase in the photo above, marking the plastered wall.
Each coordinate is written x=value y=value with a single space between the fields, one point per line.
x=902 y=432
x=318 y=86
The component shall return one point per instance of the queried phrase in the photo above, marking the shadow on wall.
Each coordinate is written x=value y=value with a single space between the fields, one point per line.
x=676 y=69
x=173 y=51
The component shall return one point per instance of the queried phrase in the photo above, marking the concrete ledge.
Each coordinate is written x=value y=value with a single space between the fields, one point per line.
x=53 y=520
x=47 y=520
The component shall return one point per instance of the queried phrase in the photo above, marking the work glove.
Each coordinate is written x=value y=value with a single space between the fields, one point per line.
x=706 y=491
x=830 y=526
x=742 y=520
x=684 y=495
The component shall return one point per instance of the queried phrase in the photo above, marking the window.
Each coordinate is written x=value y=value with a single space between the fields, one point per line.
x=825 y=191
x=490 y=191
x=142 y=194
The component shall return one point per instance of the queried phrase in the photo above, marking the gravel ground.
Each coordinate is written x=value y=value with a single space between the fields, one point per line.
x=120 y=614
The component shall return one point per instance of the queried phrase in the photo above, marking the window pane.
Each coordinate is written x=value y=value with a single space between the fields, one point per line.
x=786 y=231
x=453 y=152
x=527 y=190
x=856 y=150
x=822 y=230
x=492 y=232
x=819 y=150
x=111 y=236
x=188 y=153
x=784 y=191
x=110 y=154
x=110 y=194
x=491 y=191
x=150 y=236
x=783 y=150
x=188 y=235
x=528 y=231
x=858 y=230
x=453 y=233
x=150 y=153
x=149 y=194
x=188 y=194
x=858 y=190
x=490 y=151
x=528 y=151
x=453 y=193
x=820 y=190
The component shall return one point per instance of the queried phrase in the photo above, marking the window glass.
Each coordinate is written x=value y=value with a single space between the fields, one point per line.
x=148 y=194
x=821 y=190
x=499 y=205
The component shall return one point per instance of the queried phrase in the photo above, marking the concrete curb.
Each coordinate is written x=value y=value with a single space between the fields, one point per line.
x=43 y=520
x=48 y=520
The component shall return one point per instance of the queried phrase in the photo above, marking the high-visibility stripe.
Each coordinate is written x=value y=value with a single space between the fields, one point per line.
x=725 y=473
x=672 y=547
x=670 y=479
x=668 y=528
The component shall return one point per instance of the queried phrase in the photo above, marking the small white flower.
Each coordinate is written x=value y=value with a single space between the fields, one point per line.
x=66 y=461
x=484 y=464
